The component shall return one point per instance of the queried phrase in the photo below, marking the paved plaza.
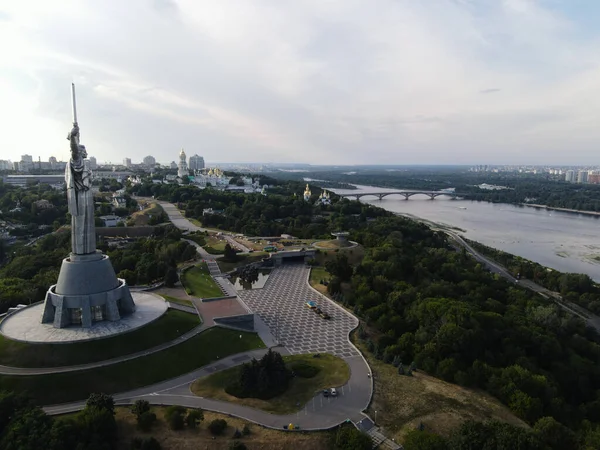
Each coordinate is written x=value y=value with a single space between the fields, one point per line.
x=25 y=325
x=281 y=304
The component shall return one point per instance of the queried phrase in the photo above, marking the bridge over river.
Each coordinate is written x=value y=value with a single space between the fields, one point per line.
x=407 y=194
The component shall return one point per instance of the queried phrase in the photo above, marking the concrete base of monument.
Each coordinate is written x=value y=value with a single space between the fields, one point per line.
x=25 y=326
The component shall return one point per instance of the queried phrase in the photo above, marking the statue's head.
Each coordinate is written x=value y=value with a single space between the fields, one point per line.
x=82 y=151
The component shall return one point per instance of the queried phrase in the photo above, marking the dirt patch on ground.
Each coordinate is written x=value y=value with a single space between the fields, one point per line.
x=403 y=402
x=201 y=438
x=141 y=218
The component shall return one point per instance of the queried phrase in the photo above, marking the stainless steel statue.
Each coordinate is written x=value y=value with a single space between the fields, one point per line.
x=87 y=289
x=78 y=177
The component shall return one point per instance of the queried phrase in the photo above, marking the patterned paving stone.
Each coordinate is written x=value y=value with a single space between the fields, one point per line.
x=281 y=304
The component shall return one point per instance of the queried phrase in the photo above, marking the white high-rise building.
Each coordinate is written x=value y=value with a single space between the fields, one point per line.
x=182 y=168
x=93 y=163
x=196 y=162
x=570 y=176
x=582 y=176
x=127 y=162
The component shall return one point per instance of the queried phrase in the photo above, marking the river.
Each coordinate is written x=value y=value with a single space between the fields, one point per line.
x=568 y=242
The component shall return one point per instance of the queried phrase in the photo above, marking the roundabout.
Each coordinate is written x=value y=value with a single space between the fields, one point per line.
x=25 y=325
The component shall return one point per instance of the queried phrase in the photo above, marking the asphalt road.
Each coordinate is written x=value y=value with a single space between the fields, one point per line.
x=318 y=413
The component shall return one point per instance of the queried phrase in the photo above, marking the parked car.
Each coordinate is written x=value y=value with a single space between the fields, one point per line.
x=333 y=392
x=324 y=315
x=311 y=305
x=325 y=392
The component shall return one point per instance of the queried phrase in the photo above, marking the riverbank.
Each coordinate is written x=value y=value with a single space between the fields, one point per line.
x=575 y=211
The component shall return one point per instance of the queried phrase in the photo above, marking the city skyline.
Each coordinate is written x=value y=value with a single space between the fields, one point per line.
x=452 y=82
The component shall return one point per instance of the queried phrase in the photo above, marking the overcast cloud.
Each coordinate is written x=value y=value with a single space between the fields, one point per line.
x=323 y=81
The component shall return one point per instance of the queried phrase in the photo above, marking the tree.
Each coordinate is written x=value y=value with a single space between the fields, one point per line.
x=424 y=440
x=237 y=445
x=150 y=444
x=140 y=407
x=339 y=267
x=349 y=438
x=171 y=277
x=217 y=426
x=28 y=430
x=229 y=254
x=174 y=415
x=194 y=417
x=98 y=427
x=101 y=401
x=146 y=420
x=555 y=435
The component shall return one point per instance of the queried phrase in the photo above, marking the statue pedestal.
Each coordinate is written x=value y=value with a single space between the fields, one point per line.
x=87 y=291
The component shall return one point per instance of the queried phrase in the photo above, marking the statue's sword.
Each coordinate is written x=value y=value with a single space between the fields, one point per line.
x=74 y=103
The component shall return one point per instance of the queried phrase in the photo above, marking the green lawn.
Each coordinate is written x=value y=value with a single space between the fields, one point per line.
x=198 y=238
x=215 y=246
x=243 y=259
x=166 y=328
x=200 y=284
x=317 y=274
x=334 y=372
x=144 y=371
x=179 y=301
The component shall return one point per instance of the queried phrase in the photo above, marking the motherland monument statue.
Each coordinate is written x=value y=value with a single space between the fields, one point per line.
x=87 y=289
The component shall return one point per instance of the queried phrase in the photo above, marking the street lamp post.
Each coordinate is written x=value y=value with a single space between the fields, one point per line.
x=375 y=416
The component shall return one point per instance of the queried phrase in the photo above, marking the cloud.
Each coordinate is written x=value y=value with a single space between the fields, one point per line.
x=313 y=81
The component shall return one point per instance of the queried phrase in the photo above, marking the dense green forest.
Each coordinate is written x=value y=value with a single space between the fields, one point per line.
x=577 y=288
x=32 y=270
x=543 y=189
x=425 y=302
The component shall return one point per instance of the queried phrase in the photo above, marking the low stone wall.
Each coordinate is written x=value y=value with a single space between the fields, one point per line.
x=243 y=322
x=216 y=299
x=125 y=231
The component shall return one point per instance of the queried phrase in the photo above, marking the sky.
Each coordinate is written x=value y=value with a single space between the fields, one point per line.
x=311 y=81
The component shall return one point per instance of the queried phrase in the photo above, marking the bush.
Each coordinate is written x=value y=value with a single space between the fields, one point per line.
x=246 y=430
x=140 y=407
x=217 y=426
x=305 y=370
x=176 y=421
x=237 y=434
x=174 y=416
x=194 y=417
x=237 y=445
x=101 y=401
x=136 y=443
x=150 y=444
x=146 y=420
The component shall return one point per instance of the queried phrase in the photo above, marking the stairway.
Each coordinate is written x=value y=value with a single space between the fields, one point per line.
x=213 y=268
x=380 y=441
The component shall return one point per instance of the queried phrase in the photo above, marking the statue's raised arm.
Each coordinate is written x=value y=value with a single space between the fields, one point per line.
x=74 y=138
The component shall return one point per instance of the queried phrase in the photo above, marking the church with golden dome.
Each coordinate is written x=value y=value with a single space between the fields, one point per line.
x=213 y=177
x=307 y=193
